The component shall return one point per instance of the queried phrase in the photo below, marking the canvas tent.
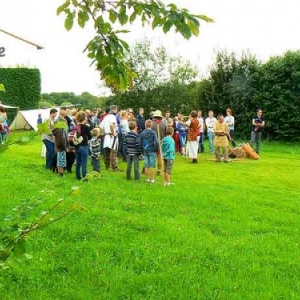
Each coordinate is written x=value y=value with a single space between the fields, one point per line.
x=27 y=119
x=8 y=106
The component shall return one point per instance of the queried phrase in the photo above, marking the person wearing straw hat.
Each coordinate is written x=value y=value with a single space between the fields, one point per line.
x=160 y=128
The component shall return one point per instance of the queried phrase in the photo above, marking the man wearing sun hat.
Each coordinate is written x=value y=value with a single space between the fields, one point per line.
x=160 y=128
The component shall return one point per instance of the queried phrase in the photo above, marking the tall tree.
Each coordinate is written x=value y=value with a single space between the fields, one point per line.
x=162 y=81
x=107 y=49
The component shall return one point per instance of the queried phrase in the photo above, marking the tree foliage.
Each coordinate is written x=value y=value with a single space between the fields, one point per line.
x=107 y=50
x=233 y=83
x=156 y=66
x=164 y=80
x=279 y=95
x=84 y=100
x=239 y=82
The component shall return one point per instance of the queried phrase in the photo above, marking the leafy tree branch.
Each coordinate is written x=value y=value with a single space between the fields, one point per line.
x=107 y=50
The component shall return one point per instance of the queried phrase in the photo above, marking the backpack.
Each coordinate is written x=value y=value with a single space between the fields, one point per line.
x=74 y=136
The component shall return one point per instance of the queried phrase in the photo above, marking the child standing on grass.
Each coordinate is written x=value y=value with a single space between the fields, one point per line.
x=95 y=148
x=168 y=152
x=149 y=147
x=132 y=150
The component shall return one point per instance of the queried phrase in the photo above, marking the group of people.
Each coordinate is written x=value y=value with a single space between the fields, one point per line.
x=120 y=134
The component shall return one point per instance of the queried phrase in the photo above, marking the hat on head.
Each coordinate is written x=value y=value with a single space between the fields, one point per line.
x=157 y=114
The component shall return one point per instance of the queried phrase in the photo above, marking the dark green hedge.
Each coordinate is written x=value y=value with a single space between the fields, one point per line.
x=22 y=86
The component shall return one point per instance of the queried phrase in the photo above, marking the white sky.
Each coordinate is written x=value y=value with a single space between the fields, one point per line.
x=265 y=27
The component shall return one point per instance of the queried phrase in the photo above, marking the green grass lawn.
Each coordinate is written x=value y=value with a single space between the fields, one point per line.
x=223 y=231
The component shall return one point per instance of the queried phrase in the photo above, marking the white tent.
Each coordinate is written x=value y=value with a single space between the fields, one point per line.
x=27 y=119
x=8 y=106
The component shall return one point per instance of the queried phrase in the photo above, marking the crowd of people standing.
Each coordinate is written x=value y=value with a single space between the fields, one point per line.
x=120 y=134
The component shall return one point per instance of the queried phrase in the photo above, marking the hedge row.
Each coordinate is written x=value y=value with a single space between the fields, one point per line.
x=22 y=87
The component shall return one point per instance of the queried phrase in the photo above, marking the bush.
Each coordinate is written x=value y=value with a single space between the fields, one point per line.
x=22 y=87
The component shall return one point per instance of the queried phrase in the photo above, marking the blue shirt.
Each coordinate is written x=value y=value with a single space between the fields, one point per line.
x=168 y=148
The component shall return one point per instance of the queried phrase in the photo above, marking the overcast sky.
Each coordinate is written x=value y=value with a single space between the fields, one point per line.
x=264 y=27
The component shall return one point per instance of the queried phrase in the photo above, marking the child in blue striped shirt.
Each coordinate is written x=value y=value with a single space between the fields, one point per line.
x=132 y=149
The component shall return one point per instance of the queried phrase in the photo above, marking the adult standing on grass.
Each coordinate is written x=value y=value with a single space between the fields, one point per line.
x=82 y=149
x=192 y=142
x=229 y=120
x=209 y=123
x=258 y=123
x=140 y=119
x=160 y=128
x=3 y=124
x=221 y=132
x=60 y=135
x=48 y=138
x=110 y=143
x=202 y=129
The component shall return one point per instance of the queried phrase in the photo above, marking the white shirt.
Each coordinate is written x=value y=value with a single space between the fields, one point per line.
x=201 y=123
x=110 y=141
x=228 y=120
x=210 y=123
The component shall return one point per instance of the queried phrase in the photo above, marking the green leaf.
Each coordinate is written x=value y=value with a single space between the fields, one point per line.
x=122 y=31
x=123 y=18
x=172 y=6
x=124 y=44
x=2 y=88
x=132 y=17
x=75 y=2
x=138 y=8
x=62 y=8
x=167 y=26
x=44 y=127
x=113 y=16
x=23 y=140
x=83 y=17
x=104 y=27
x=123 y=82
x=4 y=253
x=156 y=22
x=20 y=249
x=204 y=18
x=186 y=31
x=69 y=21
x=193 y=27
x=60 y=124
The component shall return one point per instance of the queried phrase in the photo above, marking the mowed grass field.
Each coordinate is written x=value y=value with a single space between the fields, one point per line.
x=223 y=231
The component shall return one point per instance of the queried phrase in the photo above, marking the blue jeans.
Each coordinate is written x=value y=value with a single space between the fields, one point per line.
x=211 y=136
x=255 y=138
x=50 y=151
x=231 y=132
x=182 y=140
x=136 y=160
x=95 y=164
x=81 y=154
x=201 y=143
